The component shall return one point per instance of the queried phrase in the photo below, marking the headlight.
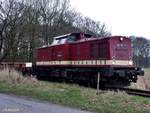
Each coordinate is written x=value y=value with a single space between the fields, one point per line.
x=121 y=39
x=113 y=62
x=142 y=69
x=130 y=63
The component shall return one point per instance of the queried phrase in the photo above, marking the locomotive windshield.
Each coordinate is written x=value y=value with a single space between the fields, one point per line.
x=59 y=41
x=63 y=40
x=71 y=38
x=55 y=42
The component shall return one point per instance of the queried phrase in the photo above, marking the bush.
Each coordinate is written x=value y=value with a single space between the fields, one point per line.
x=12 y=76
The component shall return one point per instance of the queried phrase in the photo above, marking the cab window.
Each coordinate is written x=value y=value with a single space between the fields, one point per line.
x=62 y=41
x=71 y=38
x=55 y=42
x=59 y=41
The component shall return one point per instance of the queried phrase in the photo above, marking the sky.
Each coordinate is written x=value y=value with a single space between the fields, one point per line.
x=122 y=17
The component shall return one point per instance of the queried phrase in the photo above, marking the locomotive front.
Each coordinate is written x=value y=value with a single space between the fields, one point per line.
x=122 y=66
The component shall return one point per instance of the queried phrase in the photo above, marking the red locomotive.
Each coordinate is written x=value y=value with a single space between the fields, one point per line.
x=79 y=56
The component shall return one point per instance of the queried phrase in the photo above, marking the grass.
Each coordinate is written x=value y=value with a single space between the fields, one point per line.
x=73 y=95
x=147 y=71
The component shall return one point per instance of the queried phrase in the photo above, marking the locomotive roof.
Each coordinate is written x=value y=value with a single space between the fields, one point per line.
x=61 y=36
x=88 y=37
x=100 y=38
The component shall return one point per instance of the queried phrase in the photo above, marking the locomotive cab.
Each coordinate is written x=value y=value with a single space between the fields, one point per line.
x=70 y=38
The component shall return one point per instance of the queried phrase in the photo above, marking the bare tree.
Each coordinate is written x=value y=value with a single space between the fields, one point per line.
x=11 y=17
x=28 y=24
x=52 y=11
x=141 y=50
x=88 y=25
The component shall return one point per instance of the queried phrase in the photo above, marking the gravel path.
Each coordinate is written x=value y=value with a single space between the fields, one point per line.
x=14 y=104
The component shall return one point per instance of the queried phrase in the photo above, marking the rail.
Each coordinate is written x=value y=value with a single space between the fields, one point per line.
x=130 y=91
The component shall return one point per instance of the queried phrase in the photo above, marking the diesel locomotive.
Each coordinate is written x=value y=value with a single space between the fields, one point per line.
x=80 y=56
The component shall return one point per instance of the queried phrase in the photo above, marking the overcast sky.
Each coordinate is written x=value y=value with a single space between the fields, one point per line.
x=122 y=17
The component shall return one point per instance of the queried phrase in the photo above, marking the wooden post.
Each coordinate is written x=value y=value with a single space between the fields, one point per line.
x=98 y=79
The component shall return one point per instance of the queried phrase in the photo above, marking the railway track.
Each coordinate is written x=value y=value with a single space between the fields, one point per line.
x=130 y=91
